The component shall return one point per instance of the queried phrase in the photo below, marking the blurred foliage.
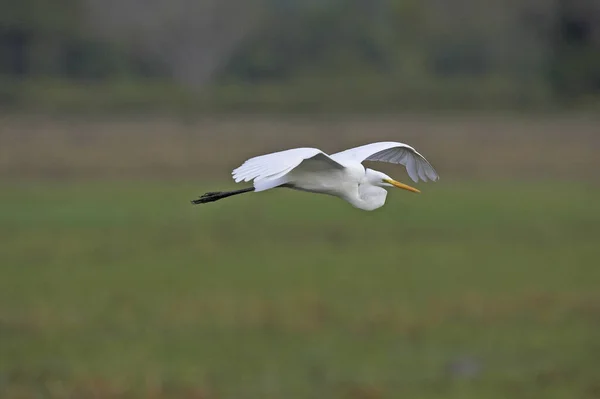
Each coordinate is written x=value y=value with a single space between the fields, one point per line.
x=37 y=17
x=575 y=64
x=311 y=55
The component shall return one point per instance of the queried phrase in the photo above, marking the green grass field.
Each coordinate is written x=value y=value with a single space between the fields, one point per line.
x=468 y=290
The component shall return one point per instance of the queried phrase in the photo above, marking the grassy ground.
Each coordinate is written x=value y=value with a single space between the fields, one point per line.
x=468 y=290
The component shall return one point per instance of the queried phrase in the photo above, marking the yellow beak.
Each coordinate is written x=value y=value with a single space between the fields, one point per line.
x=401 y=185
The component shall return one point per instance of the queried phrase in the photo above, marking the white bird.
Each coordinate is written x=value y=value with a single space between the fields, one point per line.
x=341 y=174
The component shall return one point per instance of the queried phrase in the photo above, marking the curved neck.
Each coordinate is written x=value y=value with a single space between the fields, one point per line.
x=368 y=197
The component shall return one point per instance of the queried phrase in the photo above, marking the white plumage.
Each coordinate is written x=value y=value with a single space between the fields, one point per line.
x=399 y=153
x=341 y=174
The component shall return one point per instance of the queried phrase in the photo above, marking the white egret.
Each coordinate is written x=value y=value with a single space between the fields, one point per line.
x=341 y=174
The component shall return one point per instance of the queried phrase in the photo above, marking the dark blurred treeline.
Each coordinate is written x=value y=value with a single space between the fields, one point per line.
x=294 y=53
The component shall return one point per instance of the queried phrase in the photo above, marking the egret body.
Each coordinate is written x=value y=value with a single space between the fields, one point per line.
x=341 y=174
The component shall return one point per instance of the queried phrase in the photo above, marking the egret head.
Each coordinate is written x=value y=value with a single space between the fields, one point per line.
x=380 y=179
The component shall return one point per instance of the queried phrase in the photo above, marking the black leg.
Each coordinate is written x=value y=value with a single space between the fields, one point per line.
x=217 y=195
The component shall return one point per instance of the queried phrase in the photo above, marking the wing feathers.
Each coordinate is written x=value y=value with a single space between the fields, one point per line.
x=278 y=164
x=416 y=165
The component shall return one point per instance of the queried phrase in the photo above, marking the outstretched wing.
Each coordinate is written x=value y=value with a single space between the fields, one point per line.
x=278 y=164
x=389 y=151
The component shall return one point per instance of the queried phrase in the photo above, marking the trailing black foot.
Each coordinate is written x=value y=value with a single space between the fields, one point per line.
x=217 y=195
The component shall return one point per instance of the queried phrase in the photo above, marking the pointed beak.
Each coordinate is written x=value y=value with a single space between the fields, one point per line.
x=401 y=185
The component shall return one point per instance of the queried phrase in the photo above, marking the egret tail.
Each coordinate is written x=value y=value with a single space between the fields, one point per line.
x=215 y=196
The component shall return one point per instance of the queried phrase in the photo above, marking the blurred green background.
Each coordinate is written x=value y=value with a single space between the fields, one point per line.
x=298 y=55
x=114 y=114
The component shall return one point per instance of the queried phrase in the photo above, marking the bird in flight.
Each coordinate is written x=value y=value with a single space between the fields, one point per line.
x=341 y=174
